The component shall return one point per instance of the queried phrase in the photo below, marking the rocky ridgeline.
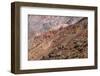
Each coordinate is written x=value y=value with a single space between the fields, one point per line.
x=73 y=47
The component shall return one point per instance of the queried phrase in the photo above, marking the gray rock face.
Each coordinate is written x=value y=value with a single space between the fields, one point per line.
x=42 y=23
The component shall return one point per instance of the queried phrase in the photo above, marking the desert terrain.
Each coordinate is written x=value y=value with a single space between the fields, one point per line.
x=53 y=37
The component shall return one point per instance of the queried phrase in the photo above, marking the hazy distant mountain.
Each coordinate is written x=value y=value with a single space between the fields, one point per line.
x=37 y=24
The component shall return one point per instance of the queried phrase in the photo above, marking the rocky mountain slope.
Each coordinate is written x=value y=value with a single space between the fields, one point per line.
x=64 y=41
x=43 y=23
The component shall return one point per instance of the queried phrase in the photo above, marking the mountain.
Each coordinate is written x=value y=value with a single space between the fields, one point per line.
x=63 y=41
x=43 y=23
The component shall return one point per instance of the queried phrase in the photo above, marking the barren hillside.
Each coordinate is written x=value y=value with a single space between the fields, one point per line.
x=63 y=41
